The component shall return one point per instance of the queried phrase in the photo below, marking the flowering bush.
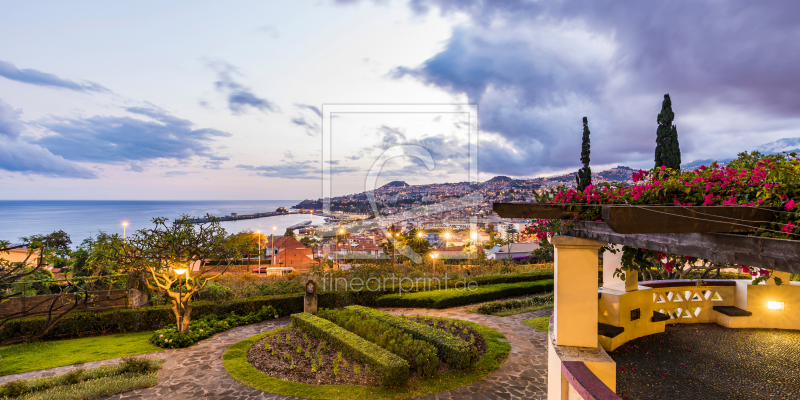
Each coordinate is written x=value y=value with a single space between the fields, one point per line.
x=203 y=328
x=751 y=180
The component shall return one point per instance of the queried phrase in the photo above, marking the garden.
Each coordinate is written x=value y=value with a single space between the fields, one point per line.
x=368 y=354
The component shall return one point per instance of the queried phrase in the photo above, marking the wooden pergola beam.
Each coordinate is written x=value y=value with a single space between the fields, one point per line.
x=778 y=254
x=632 y=219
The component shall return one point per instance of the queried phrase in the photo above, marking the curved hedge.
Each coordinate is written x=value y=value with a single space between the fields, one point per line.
x=463 y=296
x=394 y=370
x=454 y=350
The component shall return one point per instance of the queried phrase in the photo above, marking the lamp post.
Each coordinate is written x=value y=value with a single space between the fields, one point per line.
x=272 y=240
x=446 y=238
x=389 y=234
x=179 y=272
x=434 y=256
x=474 y=237
x=124 y=234
x=259 y=251
x=419 y=235
x=341 y=232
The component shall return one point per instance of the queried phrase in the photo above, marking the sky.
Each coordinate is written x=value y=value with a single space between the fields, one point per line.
x=222 y=100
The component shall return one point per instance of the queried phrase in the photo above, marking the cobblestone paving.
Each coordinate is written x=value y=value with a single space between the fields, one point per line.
x=702 y=361
x=197 y=372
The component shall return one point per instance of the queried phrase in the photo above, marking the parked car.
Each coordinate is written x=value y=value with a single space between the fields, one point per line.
x=261 y=270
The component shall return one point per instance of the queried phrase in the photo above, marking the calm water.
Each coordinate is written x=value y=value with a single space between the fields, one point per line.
x=80 y=219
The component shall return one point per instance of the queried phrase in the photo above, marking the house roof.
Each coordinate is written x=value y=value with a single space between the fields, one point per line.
x=519 y=248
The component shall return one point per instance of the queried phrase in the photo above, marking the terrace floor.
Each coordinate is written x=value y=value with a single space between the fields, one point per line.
x=708 y=361
x=197 y=371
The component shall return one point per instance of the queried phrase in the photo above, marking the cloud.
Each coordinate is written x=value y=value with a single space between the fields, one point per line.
x=215 y=162
x=107 y=139
x=135 y=167
x=10 y=125
x=17 y=155
x=240 y=98
x=308 y=123
x=296 y=170
x=36 y=77
x=536 y=68
x=269 y=30
x=170 y=174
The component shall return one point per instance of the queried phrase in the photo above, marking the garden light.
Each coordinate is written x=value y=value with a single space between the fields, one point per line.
x=180 y=271
x=776 y=305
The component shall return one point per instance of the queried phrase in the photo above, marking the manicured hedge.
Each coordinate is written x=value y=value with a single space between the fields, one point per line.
x=454 y=350
x=89 y=323
x=394 y=370
x=421 y=355
x=463 y=296
x=491 y=308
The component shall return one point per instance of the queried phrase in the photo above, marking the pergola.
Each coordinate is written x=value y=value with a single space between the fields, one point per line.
x=587 y=321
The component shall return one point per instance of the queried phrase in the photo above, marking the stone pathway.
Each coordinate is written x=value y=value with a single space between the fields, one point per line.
x=197 y=372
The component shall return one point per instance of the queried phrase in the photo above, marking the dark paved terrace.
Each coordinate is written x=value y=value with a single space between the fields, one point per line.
x=702 y=361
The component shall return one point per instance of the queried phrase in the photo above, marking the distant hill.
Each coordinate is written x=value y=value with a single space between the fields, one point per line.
x=499 y=178
x=618 y=174
x=395 y=184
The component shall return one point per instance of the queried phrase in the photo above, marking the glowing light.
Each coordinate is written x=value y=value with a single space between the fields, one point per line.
x=776 y=305
x=180 y=271
x=474 y=235
x=434 y=255
x=125 y=223
x=419 y=234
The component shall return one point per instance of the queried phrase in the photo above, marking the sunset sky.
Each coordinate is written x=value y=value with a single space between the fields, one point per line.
x=221 y=100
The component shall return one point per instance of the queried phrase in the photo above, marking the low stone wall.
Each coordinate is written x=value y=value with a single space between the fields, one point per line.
x=102 y=300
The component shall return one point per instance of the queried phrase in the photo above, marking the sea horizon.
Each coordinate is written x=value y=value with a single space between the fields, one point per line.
x=84 y=218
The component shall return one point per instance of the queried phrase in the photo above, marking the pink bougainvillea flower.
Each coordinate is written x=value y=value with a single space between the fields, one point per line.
x=790 y=205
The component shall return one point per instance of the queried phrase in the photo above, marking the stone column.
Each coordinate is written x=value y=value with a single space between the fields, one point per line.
x=575 y=316
x=611 y=262
x=310 y=299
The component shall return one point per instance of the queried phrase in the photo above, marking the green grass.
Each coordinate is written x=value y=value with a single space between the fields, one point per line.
x=95 y=388
x=235 y=362
x=463 y=296
x=541 y=323
x=43 y=355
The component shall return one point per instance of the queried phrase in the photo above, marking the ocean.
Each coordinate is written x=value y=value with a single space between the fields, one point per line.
x=84 y=218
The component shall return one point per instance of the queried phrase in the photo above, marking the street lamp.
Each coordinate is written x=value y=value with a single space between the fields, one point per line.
x=419 y=235
x=434 y=256
x=341 y=232
x=179 y=272
x=272 y=240
x=446 y=238
x=124 y=235
x=259 y=251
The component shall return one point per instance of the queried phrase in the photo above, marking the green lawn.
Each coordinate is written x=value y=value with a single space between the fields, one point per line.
x=26 y=357
x=541 y=323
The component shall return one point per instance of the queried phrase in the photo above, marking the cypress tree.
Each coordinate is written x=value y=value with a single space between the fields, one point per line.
x=584 y=176
x=668 y=152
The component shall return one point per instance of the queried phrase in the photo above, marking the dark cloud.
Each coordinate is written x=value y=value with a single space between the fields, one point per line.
x=536 y=68
x=106 y=139
x=36 y=77
x=240 y=98
x=297 y=170
x=19 y=156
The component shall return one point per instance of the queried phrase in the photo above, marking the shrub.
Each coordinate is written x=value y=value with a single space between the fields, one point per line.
x=462 y=296
x=419 y=354
x=454 y=350
x=207 y=326
x=393 y=369
x=88 y=323
x=491 y=308
x=138 y=365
